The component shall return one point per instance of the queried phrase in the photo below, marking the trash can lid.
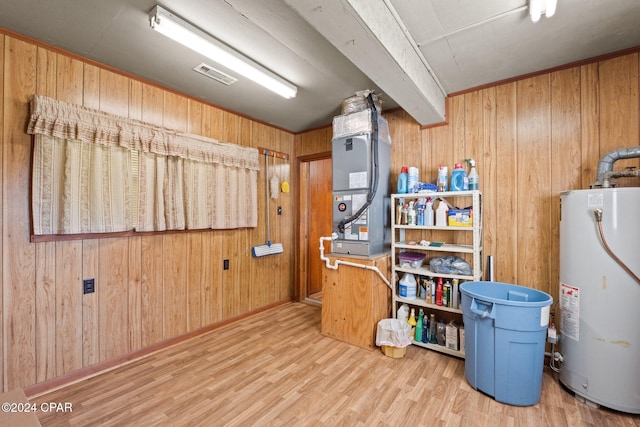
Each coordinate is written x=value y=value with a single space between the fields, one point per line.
x=506 y=294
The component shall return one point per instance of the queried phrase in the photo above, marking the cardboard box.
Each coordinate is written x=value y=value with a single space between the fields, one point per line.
x=460 y=217
x=452 y=336
x=461 y=338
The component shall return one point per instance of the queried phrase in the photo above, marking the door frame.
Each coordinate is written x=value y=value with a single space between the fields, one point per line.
x=302 y=243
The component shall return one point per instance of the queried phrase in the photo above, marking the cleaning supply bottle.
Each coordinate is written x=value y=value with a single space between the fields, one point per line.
x=455 y=300
x=445 y=296
x=459 y=178
x=403 y=313
x=432 y=328
x=413 y=323
x=441 y=333
x=420 y=216
x=425 y=328
x=413 y=178
x=403 y=180
x=433 y=292
x=411 y=214
x=439 y=292
x=430 y=289
x=441 y=214
x=474 y=181
x=418 y=336
x=429 y=215
x=407 y=286
x=443 y=178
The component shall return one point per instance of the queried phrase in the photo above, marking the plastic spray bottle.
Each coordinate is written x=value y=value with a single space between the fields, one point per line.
x=418 y=334
x=429 y=213
x=412 y=322
x=474 y=181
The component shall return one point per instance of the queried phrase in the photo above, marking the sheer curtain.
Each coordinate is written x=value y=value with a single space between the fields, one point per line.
x=94 y=173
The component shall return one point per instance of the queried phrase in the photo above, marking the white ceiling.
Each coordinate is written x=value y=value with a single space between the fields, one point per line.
x=411 y=52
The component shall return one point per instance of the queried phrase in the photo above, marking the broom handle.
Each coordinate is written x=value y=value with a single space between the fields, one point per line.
x=266 y=194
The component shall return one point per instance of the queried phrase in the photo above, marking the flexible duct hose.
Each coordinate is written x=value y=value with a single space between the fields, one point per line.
x=598 y=214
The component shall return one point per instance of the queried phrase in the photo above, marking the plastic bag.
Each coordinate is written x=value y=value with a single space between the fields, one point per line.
x=393 y=333
x=450 y=264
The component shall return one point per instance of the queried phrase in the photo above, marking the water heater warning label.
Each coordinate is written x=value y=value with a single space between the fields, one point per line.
x=595 y=200
x=570 y=307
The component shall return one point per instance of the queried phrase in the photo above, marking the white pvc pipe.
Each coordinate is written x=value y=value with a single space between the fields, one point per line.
x=352 y=264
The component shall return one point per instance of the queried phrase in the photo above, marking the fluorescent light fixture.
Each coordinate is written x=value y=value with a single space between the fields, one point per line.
x=551 y=8
x=192 y=37
x=538 y=7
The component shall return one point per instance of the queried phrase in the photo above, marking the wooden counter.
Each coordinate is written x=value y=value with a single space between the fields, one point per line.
x=355 y=299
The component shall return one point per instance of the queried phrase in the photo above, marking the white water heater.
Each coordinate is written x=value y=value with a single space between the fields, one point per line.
x=598 y=299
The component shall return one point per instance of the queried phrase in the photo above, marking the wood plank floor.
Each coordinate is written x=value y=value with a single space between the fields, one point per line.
x=276 y=369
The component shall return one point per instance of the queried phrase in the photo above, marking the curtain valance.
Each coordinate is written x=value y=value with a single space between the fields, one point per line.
x=95 y=172
x=59 y=119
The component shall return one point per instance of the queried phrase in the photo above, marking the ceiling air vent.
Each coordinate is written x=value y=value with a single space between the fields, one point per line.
x=215 y=74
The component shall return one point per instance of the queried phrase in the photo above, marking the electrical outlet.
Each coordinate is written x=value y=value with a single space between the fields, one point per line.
x=88 y=286
x=225 y=264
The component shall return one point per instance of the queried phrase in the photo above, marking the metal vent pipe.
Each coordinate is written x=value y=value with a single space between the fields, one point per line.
x=605 y=166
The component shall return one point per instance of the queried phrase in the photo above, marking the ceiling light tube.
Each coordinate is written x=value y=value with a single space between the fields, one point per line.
x=535 y=9
x=550 y=10
x=188 y=35
x=539 y=7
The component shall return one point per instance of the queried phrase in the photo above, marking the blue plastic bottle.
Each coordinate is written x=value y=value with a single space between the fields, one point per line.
x=459 y=178
x=402 y=180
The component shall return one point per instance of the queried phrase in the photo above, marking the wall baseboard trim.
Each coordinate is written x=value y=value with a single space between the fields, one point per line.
x=73 y=377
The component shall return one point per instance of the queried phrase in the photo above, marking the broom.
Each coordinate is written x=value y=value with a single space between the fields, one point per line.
x=269 y=248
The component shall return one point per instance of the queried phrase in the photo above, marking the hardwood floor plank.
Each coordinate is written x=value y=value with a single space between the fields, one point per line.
x=276 y=369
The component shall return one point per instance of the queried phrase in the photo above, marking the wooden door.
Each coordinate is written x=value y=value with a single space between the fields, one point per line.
x=319 y=220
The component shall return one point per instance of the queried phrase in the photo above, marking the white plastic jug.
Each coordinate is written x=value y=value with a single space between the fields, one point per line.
x=403 y=313
x=408 y=286
x=441 y=214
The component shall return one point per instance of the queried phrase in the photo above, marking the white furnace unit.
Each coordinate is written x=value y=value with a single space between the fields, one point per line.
x=361 y=164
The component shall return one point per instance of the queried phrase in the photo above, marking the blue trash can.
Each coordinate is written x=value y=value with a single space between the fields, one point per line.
x=505 y=335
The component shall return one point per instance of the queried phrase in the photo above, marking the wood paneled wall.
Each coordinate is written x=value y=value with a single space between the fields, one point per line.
x=148 y=288
x=531 y=139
